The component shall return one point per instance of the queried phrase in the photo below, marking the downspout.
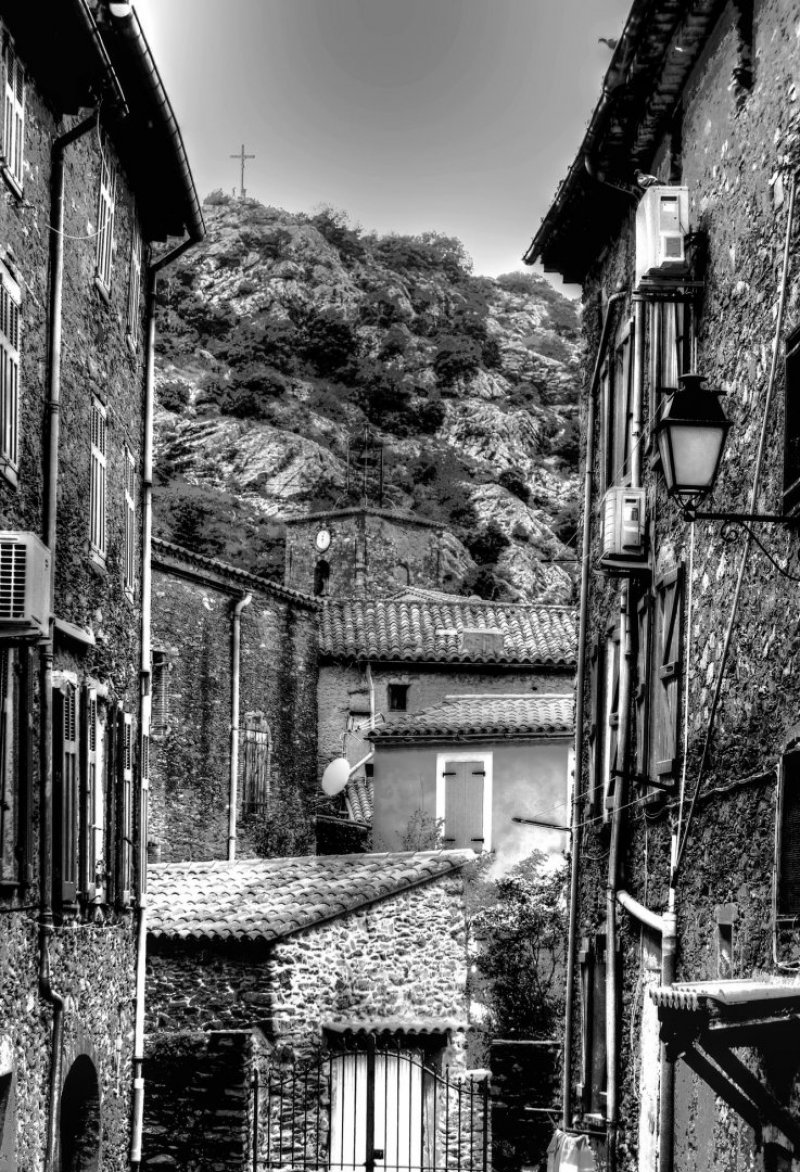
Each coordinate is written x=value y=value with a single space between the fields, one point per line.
x=580 y=684
x=666 y=927
x=236 y=639
x=49 y=526
x=145 y=675
x=618 y=803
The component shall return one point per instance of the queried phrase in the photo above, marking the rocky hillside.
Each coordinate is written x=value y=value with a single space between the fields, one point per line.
x=290 y=345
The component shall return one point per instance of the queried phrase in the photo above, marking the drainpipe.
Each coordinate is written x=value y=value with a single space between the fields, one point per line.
x=666 y=926
x=49 y=523
x=580 y=683
x=639 y=311
x=614 y=860
x=236 y=637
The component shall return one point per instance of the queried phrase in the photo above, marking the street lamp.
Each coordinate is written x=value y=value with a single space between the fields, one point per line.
x=691 y=436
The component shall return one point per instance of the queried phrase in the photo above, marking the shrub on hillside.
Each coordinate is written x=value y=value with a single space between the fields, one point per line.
x=487 y=544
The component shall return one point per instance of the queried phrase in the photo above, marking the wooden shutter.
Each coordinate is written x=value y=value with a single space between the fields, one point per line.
x=13 y=112
x=641 y=689
x=130 y=521
x=9 y=372
x=25 y=763
x=144 y=815
x=97 y=493
x=65 y=788
x=93 y=804
x=8 y=796
x=788 y=901
x=596 y=708
x=105 y=218
x=612 y=716
x=463 y=805
x=592 y=958
x=134 y=280
x=666 y=678
x=125 y=800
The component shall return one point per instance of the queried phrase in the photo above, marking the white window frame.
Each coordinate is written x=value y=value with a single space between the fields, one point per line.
x=97 y=487
x=12 y=160
x=95 y=845
x=134 y=284
x=130 y=549
x=486 y=760
x=106 y=206
x=10 y=345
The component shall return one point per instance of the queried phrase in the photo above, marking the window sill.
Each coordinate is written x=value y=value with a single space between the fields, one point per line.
x=11 y=182
x=97 y=561
x=102 y=289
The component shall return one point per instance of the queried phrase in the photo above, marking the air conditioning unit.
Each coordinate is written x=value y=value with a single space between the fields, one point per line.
x=25 y=566
x=624 y=545
x=662 y=222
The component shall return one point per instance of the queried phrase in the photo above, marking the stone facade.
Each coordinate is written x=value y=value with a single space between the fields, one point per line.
x=734 y=145
x=193 y=604
x=398 y=964
x=366 y=552
x=71 y=803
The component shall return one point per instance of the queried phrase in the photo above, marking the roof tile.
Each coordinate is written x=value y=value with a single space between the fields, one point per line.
x=530 y=714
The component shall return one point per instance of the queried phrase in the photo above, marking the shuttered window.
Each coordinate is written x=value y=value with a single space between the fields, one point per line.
x=464 y=783
x=125 y=805
x=13 y=157
x=594 y=1074
x=130 y=522
x=134 y=281
x=611 y=717
x=93 y=812
x=617 y=399
x=256 y=754
x=65 y=790
x=596 y=692
x=788 y=869
x=9 y=805
x=9 y=373
x=97 y=493
x=640 y=693
x=159 y=702
x=105 y=219
x=666 y=678
x=16 y=776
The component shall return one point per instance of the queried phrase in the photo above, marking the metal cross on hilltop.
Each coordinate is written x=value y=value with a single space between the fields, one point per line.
x=241 y=157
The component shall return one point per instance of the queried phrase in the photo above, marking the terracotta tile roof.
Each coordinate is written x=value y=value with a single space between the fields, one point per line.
x=170 y=557
x=485 y=716
x=265 y=899
x=458 y=630
x=359 y=799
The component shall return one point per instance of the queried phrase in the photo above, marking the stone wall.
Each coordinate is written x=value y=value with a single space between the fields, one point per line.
x=92 y=956
x=732 y=148
x=190 y=761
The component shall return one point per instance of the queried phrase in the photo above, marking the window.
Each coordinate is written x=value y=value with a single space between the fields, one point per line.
x=788 y=837
x=159 y=705
x=617 y=391
x=671 y=350
x=322 y=574
x=134 y=282
x=105 y=219
x=65 y=791
x=399 y=1089
x=125 y=806
x=791 y=449
x=9 y=373
x=593 y=1037
x=595 y=728
x=397 y=697
x=665 y=679
x=725 y=919
x=13 y=158
x=97 y=494
x=130 y=546
x=93 y=814
x=16 y=828
x=610 y=721
x=256 y=753
x=641 y=697
x=464 y=800
x=743 y=69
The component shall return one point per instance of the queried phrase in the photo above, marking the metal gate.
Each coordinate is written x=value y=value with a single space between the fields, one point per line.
x=374 y=1109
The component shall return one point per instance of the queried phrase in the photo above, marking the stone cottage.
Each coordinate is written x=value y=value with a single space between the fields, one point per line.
x=93 y=175
x=477 y=772
x=234 y=733
x=679 y=218
x=313 y=1011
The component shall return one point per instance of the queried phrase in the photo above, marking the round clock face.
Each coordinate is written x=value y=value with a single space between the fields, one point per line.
x=323 y=540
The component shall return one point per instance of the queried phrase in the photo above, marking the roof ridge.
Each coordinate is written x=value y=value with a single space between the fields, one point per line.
x=190 y=555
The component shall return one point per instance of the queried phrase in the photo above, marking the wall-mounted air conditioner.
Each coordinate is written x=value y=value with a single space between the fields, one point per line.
x=623 y=540
x=24 y=584
x=662 y=222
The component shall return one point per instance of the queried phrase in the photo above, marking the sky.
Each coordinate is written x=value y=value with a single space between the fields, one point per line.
x=455 y=116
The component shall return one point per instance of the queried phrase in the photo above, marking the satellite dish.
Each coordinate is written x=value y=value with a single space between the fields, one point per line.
x=335 y=777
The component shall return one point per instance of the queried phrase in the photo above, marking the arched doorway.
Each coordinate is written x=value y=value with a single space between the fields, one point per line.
x=79 y=1118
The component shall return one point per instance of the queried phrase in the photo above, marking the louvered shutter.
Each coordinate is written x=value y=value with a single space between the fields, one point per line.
x=97 y=489
x=789 y=852
x=125 y=799
x=93 y=806
x=9 y=371
x=641 y=696
x=105 y=218
x=596 y=709
x=463 y=809
x=65 y=788
x=666 y=678
x=13 y=112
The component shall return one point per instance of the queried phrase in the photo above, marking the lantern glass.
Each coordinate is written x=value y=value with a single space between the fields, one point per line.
x=691 y=436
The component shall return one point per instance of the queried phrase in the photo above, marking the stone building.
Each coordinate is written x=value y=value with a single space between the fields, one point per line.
x=92 y=174
x=679 y=218
x=321 y=975
x=477 y=772
x=234 y=712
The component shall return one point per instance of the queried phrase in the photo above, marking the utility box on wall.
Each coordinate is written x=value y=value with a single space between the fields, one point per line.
x=662 y=222
x=624 y=546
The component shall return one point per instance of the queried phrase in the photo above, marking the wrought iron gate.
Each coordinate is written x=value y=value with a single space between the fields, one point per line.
x=374 y=1109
